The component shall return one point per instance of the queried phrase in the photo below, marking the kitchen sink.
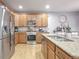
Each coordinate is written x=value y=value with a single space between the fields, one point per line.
x=58 y=38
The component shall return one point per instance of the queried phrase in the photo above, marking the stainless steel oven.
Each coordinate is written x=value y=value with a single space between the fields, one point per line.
x=31 y=36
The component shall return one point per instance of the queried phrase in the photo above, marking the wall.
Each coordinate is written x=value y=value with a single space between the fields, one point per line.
x=72 y=17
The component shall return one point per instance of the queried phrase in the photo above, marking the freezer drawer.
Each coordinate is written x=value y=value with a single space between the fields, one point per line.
x=12 y=42
x=6 y=48
x=1 y=57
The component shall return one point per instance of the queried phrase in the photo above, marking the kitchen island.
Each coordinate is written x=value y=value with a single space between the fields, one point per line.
x=57 y=49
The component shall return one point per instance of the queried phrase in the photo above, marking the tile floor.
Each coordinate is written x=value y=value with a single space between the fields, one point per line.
x=28 y=51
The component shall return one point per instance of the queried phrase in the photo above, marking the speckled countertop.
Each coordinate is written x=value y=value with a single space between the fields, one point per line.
x=71 y=47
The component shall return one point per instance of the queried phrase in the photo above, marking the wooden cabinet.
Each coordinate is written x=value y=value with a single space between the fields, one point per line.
x=16 y=37
x=50 y=50
x=20 y=20
x=50 y=53
x=39 y=23
x=38 y=37
x=44 y=47
x=53 y=51
x=20 y=37
x=61 y=54
x=16 y=20
x=51 y=45
x=42 y=21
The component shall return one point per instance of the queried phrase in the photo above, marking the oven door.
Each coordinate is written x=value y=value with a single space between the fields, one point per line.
x=31 y=37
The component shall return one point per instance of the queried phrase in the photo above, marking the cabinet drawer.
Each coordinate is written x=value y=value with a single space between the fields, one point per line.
x=51 y=45
x=61 y=54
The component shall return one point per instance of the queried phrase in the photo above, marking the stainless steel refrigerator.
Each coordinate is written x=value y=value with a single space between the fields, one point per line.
x=6 y=37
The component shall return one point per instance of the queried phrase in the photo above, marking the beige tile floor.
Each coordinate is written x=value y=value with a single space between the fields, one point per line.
x=27 y=51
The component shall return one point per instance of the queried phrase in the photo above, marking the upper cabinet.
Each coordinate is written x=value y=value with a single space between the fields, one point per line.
x=20 y=20
x=40 y=19
x=16 y=20
x=44 y=20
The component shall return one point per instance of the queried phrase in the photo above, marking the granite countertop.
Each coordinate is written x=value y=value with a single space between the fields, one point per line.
x=71 y=47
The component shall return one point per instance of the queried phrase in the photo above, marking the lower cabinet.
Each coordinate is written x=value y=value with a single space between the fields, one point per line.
x=20 y=37
x=50 y=53
x=38 y=37
x=16 y=37
x=53 y=51
x=61 y=54
x=44 y=48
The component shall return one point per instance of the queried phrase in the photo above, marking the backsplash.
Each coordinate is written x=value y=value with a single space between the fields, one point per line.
x=32 y=29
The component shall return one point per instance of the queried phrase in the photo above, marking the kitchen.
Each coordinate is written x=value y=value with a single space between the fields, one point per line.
x=39 y=29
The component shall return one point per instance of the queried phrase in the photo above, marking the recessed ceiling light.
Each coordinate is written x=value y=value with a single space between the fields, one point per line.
x=47 y=6
x=20 y=7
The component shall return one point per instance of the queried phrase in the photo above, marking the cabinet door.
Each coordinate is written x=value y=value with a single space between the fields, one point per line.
x=51 y=45
x=44 y=47
x=16 y=37
x=39 y=22
x=44 y=20
x=50 y=53
x=22 y=37
x=22 y=20
x=16 y=20
x=61 y=54
x=38 y=37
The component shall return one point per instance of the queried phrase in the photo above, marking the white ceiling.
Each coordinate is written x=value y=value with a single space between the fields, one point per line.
x=39 y=5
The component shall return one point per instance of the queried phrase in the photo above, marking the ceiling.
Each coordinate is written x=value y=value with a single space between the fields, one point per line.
x=39 y=5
